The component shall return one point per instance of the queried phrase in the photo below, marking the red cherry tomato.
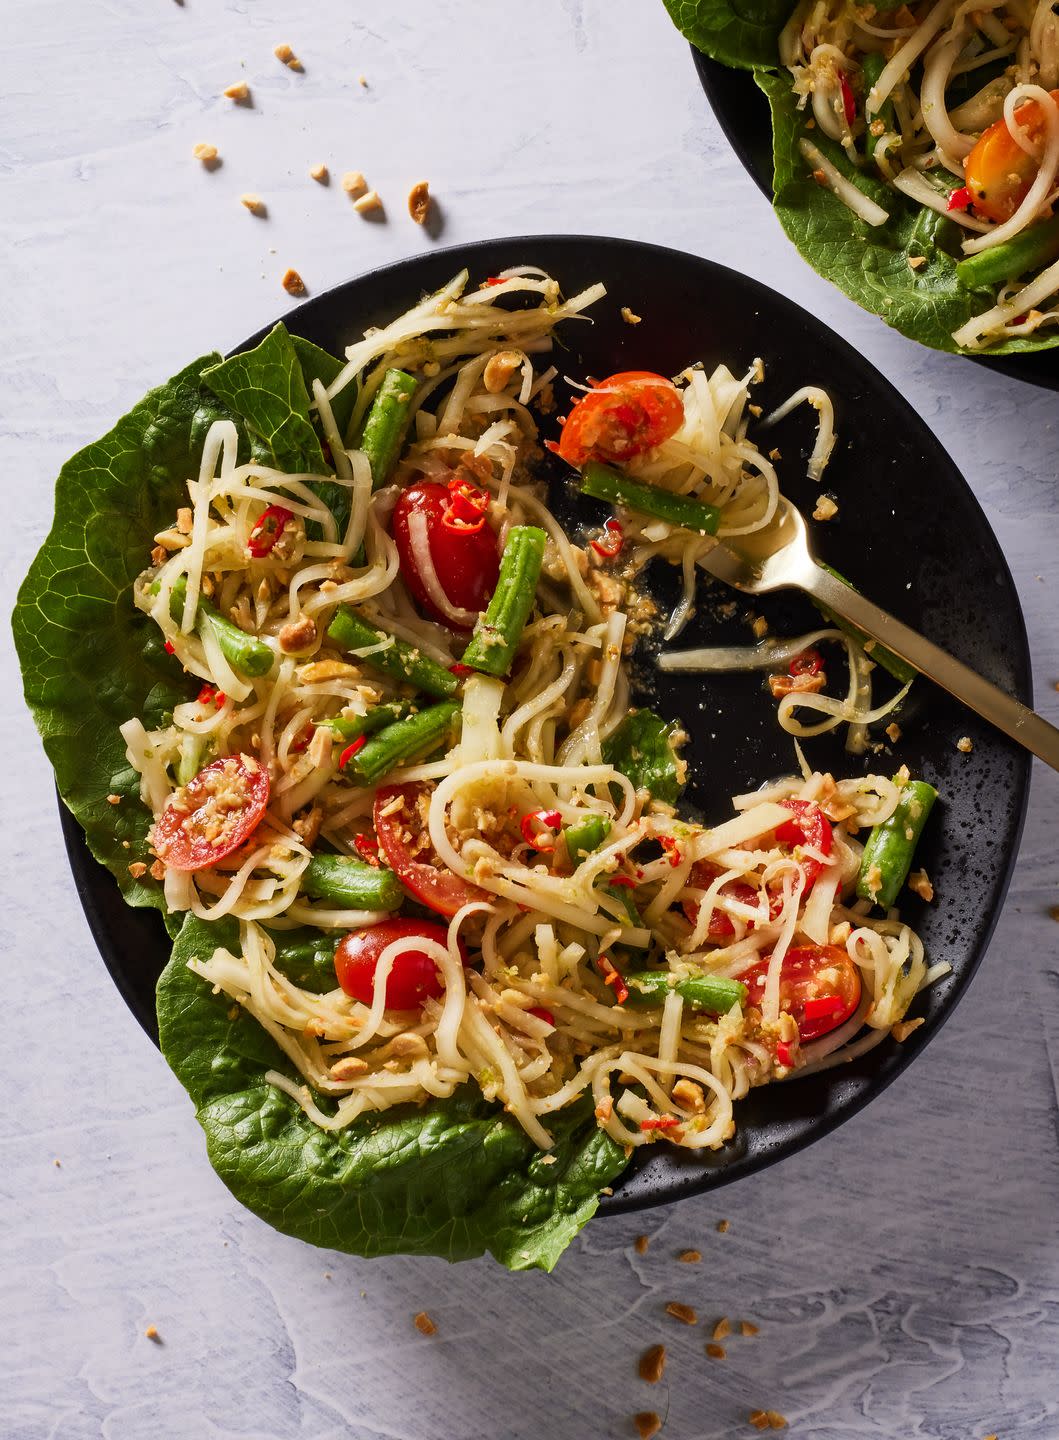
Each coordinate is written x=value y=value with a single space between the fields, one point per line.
x=213 y=814
x=415 y=862
x=819 y=988
x=622 y=417
x=466 y=561
x=998 y=171
x=413 y=977
x=810 y=827
x=703 y=874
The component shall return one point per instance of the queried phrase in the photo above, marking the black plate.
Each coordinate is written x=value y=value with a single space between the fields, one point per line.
x=909 y=533
x=742 y=111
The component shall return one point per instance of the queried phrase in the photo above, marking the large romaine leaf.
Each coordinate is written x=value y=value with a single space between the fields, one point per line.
x=642 y=749
x=741 y=33
x=454 y=1178
x=90 y=660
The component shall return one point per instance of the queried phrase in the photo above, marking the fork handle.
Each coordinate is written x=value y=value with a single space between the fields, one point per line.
x=1008 y=714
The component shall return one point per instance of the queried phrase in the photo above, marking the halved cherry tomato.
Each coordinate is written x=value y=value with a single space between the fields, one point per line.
x=809 y=827
x=703 y=874
x=213 y=814
x=413 y=977
x=810 y=974
x=622 y=417
x=415 y=862
x=807 y=662
x=998 y=171
x=466 y=560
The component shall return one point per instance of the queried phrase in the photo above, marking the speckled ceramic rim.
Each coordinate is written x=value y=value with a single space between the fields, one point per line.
x=777 y=1120
x=742 y=112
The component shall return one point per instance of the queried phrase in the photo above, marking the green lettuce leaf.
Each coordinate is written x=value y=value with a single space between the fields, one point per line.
x=741 y=33
x=454 y=1178
x=642 y=749
x=90 y=660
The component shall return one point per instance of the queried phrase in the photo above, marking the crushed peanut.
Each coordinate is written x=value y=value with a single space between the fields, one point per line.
x=254 y=204
x=298 y=634
x=137 y=869
x=776 y=1420
x=747 y=1327
x=499 y=370
x=690 y=1257
x=652 y=1364
x=408 y=1045
x=826 y=509
x=723 y=1226
x=689 y=1094
x=715 y=1352
x=424 y=1324
x=293 y=283
x=641 y=1242
x=760 y=626
x=684 y=1313
x=893 y=732
x=157 y=870
x=320 y=173
x=206 y=153
x=113 y=799
x=759 y=1419
x=722 y=1329
x=903 y=1028
x=350 y=1067
x=368 y=203
x=630 y=317
x=152 y=1334
x=284 y=53
x=239 y=92
x=353 y=182
x=1054 y=912
x=965 y=744
x=419 y=202
x=647 y=1424
x=805 y=684
x=919 y=883
x=916 y=261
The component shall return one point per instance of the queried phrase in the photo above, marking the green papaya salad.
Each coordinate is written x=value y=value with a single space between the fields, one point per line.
x=434 y=897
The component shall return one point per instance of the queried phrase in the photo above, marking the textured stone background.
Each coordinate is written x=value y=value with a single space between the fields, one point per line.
x=905 y=1271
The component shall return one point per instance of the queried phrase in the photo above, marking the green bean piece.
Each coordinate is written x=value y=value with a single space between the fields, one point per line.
x=385 y=424
x=351 y=884
x=887 y=857
x=242 y=651
x=873 y=66
x=192 y=756
x=584 y=836
x=399 y=660
x=352 y=727
x=418 y=735
x=496 y=635
x=1029 y=250
x=898 y=668
x=602 y=483
x=715 y=994
x=620 y=893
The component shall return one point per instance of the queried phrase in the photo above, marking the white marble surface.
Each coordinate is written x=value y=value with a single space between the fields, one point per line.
x=905 y=1271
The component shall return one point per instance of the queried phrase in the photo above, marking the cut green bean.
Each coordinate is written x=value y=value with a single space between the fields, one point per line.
x=602 y=483
x=399 y=660
x=887 y=857
x=898 y=668
x=1029 y=250
x=352 y=727
x=872 y=68
x=242 y=651
x=385 y=424
x=495 y=640
x=715 y=994
x=351 y=884
x=418 y=735
x=584 y=836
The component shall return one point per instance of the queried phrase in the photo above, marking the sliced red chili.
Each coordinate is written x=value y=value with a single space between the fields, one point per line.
x=822 y=1006
x=807 y=662
x=610 y=543
x=660 y=1122
x=625 y=880
x=461 y=670
x=301 y=741
x=210 y=695
x=538 y=829
x=268 y=529
x=495 y=280
x=849 y=105
x=960 y=199
x=541 y=1014
x=612 y=976
x=351 y=750
x=783 y=1053
x=367 y=847
x=672 y=849
x=170 y=648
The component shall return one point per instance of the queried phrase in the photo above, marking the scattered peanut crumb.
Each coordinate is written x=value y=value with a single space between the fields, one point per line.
x=424 y=1324
x=353 y=182
x=206 y=153
x=157 y=869
x=293 y=283
x=647 y=1424
x=903 y=1028
x=722 y=1226
x=254 y=204
x=348 y=1068
x=919 y=883
x=630 y=317
x=652 y=1364
x=893 y=731
x=419 y=202
x=152 y=1334
x=715 y=1352
x=760 y=626
x=826 y=509
x=776 y=1420
x=641 y=1242
x=367 y=203
x=965 y=744
x=758 y=1419
x=58 y=1164
x=684 y=1313
x=284 y=53
x=722 y=1329
x=990 y=1437
x=239 y=91
x=747 y=1327
x=690 y=1257
x=321 y=174
x=916 y=261
x=1053 y=912
x=820 y=177
x=137 y=868
x=775 y=454
x=113 y=799
x=362 y=80
x=233 y=1012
